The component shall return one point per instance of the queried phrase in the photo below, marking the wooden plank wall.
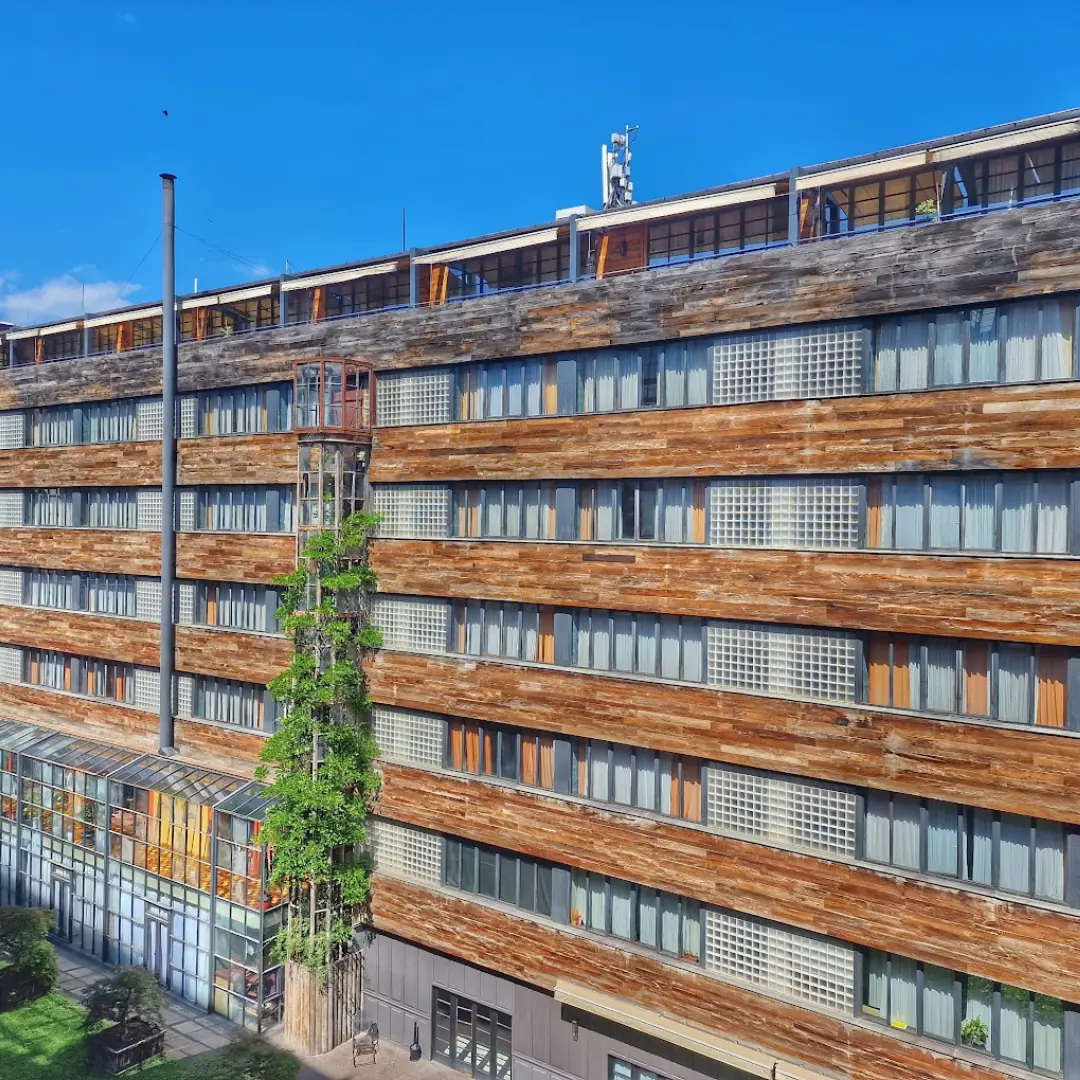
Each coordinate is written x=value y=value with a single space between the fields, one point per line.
x=541 y=955
x=1005 y=427
x=969 y=596
x=1027 y=251
x=979 y=764
x=982 y=935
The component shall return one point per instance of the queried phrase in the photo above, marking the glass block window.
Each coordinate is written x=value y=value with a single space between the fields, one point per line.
x=413 y=511
x=148 y=598
x=12 y=430
x=404 y=851
x=786 y=810
x=10 y=663
x=147 y=689
x=817 y=512
x=148 y=512
x=11 y=586
x=413 y=397
x=412 y=623
x=806 y=362
x=790 y=963
x=411 y=738
x=791 y=661
x=148 y=419
x=11 y=508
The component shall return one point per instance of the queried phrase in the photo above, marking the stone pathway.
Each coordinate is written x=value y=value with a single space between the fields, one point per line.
x=189 y=1030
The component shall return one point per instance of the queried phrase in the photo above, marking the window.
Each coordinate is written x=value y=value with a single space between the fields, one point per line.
x=102 y=679
x=995 y=1018
x=237 y=607
x=470 y=1037
x=405 y=851
x=422 y=396
x=1017 y=684
x=229 y=701
x=417 y=624
x=255 y=509
x=1023 y=512
x=413 y=511
x=1005 y=851
x=242 y=410
x=623 y=1070
x=109 y=594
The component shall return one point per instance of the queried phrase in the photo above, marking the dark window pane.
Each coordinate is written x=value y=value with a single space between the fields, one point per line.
x=543 y=889
x=564 y=765
x=468 y=867
x=650 y=377
x=627 y=493
x=647 y=510
x=508 y=755
x=487 y=873
x=526 y=884
x=452 y=863
x=508 y=888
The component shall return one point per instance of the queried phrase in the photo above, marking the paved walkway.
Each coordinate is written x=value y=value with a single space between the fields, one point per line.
x=189 y=1030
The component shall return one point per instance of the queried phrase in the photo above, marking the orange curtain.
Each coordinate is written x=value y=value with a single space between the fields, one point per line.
x=547 y=762
x=547 y=635
x=1050 y=698
x=528 y=760
x=901 y=675
x=551 y=389
x=585 y=524
x=878 y=664
x=457 y=744
x=698 y=512
x=977 y=678
x=489 y=753
x=582 y=773
x=472 y=748
x=875 y=496
x=691 y=790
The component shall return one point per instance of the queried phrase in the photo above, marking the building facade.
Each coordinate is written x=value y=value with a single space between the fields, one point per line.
x=729 y=703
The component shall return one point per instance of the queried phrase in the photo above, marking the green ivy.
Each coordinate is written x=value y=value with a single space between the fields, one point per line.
x=322 y=756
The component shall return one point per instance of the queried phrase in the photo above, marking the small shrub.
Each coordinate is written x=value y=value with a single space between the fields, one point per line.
x=21 y=929
x=974 y=1033
x=33 y=970
x=247 y=1058
x=128 y=994
x=927 y=208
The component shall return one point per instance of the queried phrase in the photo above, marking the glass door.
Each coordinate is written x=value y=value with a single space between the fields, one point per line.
x=474 y=1038
x=157 y=947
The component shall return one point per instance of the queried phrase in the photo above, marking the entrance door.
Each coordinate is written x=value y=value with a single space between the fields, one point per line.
x=61 y=904
x=157 y=947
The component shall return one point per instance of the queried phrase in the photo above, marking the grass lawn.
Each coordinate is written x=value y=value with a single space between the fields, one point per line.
x=43 y=1041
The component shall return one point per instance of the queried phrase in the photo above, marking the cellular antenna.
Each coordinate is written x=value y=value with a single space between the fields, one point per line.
x=615 y=163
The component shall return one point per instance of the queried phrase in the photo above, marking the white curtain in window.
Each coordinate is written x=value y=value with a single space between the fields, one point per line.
x=914 y=352
x=942 y=838
x=605 y=382
x=645 y=775
x=945 y=512
x=531 y=495
x=1001 y=180
x=1052 y=525
x=606 y=495
x=1014 y=684
x=534 y=388
x=907 y=816
x=691 y=928
x=579 y=897
x=495 y=378
x=676 y=497
x=515 y=389
x=1057 y=334
x=979 y=1004
x=493 y=629
x=582 y=640
x=669 y=923
x=586 y=384
x=1014 y=1023
x=982 y=847
x=512 y=631
x=674 y=376
x=474 y=621
x=941 y=675
x=669 y=647
x=1021 y=343
x=530 y=632
x=692 y=659
x=1015 y=849
x=601 y=640
x=1017 y=512
x=938 y=1002
x=979 y=497
x=983 y=350
x=624 y=641
x=629 y=380
x=110 y=509
x=1049 y=860
x=909 y=512
x=887 y=361
x=878 y=827
x=647 y=916
x=698 y=360
x=669 y=771
x=1047 y=1036
x=877 y=982
x=622 y=908
x=599 y=771
x=493 y=517
x=597 y=903
x=622 y=773
x=512 y=510
x=902 y=992
x=949 y=350
x=647 y=644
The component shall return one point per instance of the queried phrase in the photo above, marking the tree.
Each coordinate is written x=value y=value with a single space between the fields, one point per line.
x=324 y=780
x=126 y=995
x=23 y=939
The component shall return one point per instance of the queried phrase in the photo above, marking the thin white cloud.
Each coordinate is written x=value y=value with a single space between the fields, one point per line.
x=62 y=297
x=126 y=17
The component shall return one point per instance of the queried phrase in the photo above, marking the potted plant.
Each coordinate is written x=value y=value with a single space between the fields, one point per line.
x=975 y=1033
x=927 y=210
x=32 y=969
x=132 y=1003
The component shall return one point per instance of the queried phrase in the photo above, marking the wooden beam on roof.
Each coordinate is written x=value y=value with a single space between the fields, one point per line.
x=318 y=296
x=601 y=260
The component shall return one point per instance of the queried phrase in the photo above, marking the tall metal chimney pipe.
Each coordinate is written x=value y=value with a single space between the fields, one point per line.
x=167 y=662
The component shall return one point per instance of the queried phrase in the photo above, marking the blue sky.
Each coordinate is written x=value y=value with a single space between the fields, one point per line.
x=299 y=130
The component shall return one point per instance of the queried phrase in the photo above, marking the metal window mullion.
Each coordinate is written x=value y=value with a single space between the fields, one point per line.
x=1003 y=334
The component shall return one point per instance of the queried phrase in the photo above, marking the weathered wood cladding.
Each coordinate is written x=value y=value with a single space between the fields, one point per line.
x=1025 y=251
x=1006 y=427
x=252 y=557
x=228 y=654
x=520 y=948
x=1015 y=770
x=236 y=459
x=965 y=596
x=998 y=939
x=212 y=746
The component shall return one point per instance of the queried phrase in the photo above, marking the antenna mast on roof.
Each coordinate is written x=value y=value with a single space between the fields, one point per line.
x=615 y=165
